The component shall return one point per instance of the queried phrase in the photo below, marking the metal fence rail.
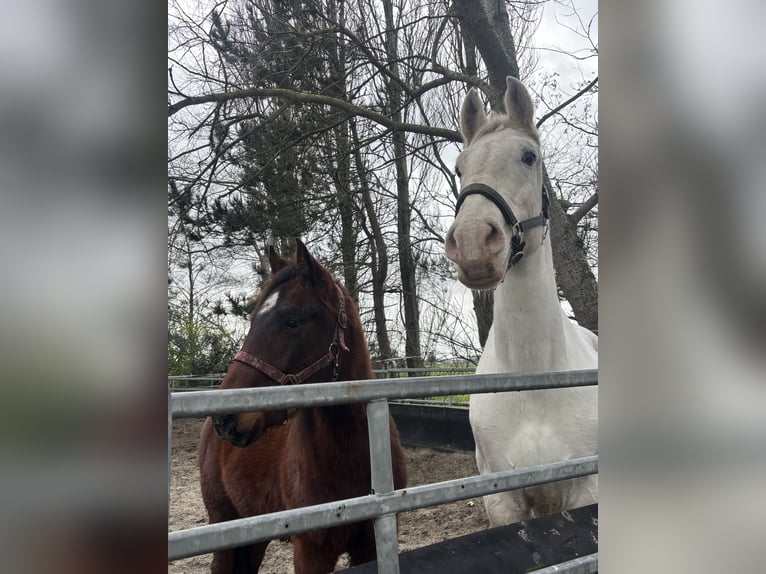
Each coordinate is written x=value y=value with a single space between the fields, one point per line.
x=219 y=402
x=384 y=503
x=582 y=565
x=203 y=539
x=389 y=370
x=385 y=372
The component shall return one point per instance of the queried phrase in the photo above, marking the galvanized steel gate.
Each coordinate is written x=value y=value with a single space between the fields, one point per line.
x=384 y=502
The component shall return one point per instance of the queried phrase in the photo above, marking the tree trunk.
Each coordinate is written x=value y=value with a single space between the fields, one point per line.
x=190 y=323
x=342 y=175
x=348 y=233
x=469 y=48
x=406 y=259
x=483 y=304
x=378 y=253
x=497 y=50
x=574 y=277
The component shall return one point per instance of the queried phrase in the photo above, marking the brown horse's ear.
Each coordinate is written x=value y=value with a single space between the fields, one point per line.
x=275 y=261
x=305 y=263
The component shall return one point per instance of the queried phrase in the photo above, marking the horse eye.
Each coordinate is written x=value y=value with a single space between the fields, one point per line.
x=291 y=323
x=529 y=158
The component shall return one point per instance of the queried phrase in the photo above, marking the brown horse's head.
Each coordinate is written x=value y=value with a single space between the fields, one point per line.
x=297 y=335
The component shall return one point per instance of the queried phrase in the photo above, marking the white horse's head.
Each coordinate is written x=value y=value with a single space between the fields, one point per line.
x=501 y=157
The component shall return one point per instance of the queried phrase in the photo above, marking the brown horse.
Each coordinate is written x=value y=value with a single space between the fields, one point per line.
x=303 y=323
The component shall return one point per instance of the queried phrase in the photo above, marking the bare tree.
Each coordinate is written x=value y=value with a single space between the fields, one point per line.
x=335 y=121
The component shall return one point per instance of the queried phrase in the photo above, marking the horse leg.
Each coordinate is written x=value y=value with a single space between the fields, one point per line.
x=247 y=559
x=361 y=546
x=584 y=492
x=504 y=508
x=311 y=558
x=220 y=509
x=224 y=561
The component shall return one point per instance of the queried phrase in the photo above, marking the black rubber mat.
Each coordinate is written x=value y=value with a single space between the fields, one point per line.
x=521 y=547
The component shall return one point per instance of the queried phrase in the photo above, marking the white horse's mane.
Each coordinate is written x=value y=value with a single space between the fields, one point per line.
x=497 y=121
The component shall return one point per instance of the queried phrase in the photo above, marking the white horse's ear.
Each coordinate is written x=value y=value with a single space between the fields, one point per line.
x=519 y=105
x=472 y=115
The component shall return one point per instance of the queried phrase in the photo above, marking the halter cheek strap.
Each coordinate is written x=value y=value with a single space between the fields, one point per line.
x=517 y=227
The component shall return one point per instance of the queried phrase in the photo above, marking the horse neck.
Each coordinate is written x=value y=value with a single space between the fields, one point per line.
x=355 y=365
x=528 y=320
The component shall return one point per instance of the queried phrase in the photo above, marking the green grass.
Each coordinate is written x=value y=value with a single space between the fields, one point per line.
x=460 y=399
x=456 y=399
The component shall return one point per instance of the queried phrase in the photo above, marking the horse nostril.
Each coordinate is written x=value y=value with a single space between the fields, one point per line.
x=494 y=238
x=451 y=249
x=224 y=425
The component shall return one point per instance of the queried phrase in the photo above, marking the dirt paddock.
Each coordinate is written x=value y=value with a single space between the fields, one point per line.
x=417 y=528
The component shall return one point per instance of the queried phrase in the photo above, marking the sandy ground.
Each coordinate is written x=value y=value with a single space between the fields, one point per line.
x=417 y=528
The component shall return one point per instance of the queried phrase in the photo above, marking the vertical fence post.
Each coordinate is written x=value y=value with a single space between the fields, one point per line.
x=386 y=542
x=170 y=443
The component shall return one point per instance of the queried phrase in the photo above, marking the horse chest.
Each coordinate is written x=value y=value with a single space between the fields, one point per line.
x=330 y=465
x=531 y=427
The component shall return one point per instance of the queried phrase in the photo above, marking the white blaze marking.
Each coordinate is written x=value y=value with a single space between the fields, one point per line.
x=268 y=304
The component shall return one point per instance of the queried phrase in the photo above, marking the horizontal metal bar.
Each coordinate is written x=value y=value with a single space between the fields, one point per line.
x=582 y=565
x=223 y=535
x=425 y=370
x=459 y=405
x=212 y=377
x=219 y=376
x=218 y=402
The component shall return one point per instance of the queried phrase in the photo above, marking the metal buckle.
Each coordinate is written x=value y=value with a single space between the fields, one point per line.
x=291 y=380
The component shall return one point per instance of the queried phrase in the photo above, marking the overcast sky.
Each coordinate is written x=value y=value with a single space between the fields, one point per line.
x=551 y=35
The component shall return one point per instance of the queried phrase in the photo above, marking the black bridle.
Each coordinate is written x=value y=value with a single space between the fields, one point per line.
x=517 y=227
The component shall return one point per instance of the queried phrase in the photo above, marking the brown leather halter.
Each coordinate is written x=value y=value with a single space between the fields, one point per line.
x=330 y=358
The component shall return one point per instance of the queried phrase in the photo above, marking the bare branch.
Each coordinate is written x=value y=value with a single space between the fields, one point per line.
x=563 y=105
x=583 y=210
x=307 y=98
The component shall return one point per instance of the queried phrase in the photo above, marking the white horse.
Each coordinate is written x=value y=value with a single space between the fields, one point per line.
x=499 y=240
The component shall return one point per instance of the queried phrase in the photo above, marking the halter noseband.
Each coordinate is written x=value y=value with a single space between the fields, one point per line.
x=330 y=358
x=517 y=227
